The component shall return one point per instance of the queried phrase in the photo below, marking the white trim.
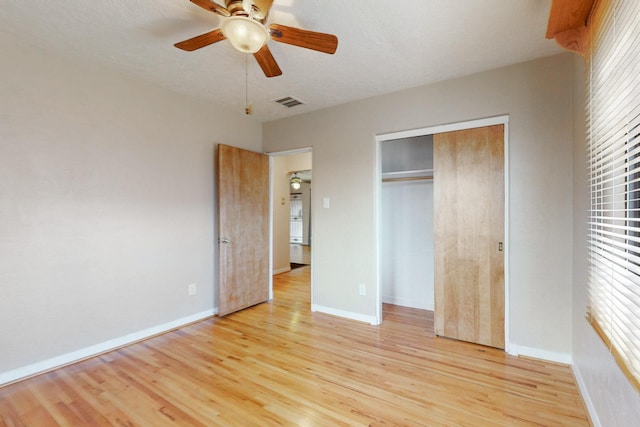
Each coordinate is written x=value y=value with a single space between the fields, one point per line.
x=290 y=152
x=405 y=302
x=537 y=353
x=345 y=314
x=586 y=397
x=312 y=233
x=507 y=240
x=377 y=214
x=285 y=269
x=281 y=270
x=97 y=349
x=449 y=127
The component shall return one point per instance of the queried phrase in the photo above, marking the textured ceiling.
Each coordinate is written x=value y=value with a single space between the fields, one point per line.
x=384 y=46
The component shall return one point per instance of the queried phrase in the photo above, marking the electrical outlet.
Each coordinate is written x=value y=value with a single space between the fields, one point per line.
x=192 y=289
x=362 y=290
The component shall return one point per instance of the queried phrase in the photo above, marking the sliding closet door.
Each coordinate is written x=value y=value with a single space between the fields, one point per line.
x=469 y=235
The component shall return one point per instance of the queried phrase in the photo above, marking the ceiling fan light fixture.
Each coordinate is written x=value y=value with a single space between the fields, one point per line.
x=245 y=34
x=295 y=182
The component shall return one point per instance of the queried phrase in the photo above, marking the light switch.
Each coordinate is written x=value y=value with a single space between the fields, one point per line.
x=325 y=202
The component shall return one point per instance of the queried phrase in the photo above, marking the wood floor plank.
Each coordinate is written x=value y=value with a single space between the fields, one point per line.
x=279 y=364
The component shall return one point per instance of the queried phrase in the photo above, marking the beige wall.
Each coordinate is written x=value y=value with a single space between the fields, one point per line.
x=280 y=196
x=106 y=207
x=537 y=97
x=611 y=398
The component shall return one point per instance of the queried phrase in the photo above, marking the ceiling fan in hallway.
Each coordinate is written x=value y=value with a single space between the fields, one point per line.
x=244 y=27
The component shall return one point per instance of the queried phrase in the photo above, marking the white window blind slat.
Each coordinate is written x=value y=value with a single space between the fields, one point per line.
x=613 y=121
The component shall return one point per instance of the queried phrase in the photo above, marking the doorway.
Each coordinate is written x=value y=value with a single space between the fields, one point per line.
x=382 y=139
x=300 y=237
x=292 y=211
x=407 y=222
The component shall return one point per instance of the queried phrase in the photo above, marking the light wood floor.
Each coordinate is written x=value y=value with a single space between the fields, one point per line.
x=278 y=364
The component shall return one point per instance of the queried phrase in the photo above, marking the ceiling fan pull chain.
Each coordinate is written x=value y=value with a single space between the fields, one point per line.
x=247 y=107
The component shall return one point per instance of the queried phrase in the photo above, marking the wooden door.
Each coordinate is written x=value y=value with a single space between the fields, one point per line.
x=469 y=235
x=243 y=203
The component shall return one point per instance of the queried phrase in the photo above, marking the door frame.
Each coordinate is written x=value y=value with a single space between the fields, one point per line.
x=271 y=207
x=430 y=130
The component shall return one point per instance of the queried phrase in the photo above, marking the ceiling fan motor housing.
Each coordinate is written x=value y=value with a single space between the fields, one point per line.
x=260 y=9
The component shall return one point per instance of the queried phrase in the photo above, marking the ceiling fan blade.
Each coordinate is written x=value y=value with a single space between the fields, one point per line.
x=212 y=7
x=201 y=41
x=327 y=43
x=267 y=62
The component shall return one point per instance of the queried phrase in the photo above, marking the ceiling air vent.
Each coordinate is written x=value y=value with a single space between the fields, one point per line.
x=289 y=102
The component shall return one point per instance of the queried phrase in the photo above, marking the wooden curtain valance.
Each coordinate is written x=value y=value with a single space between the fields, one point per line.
x=569 y=24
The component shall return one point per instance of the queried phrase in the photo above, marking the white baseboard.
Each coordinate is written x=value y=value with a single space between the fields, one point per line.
x=586 y=397
x=281 y=270
x=346 y=314
x=94 y=350
x=405 y=302
x=536 y=353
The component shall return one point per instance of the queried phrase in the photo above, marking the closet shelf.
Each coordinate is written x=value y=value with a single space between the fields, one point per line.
x=413 y=175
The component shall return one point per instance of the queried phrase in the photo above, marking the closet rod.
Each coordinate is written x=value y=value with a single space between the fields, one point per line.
x=409 y=178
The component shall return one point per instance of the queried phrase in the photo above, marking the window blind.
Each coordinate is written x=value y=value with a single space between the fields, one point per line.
x=613 y=124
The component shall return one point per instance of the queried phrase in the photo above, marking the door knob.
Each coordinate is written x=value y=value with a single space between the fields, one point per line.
x=224 y=240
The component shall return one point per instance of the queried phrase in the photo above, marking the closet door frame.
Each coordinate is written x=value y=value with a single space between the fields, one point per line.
x=430 y=130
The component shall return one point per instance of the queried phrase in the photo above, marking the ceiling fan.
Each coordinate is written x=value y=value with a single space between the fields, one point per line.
x=244 y=27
